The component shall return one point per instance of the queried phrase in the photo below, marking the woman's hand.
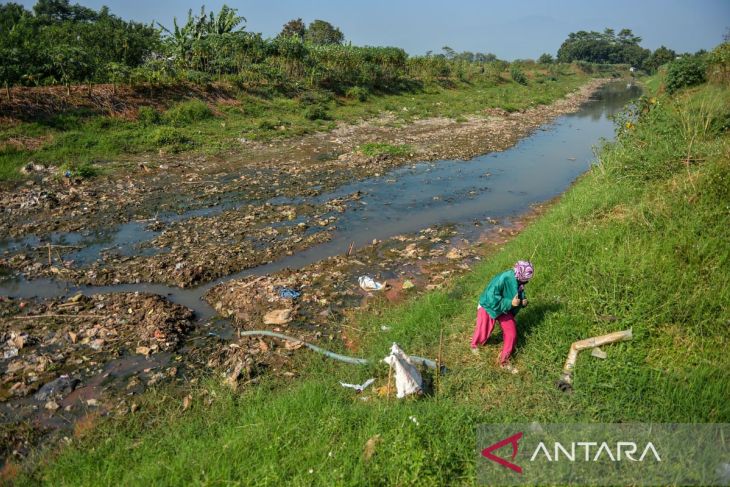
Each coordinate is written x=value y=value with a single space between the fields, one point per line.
x=516 y=301
x=524 y=302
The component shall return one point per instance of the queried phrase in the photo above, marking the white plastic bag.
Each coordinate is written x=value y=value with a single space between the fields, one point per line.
x=407 y=378
x=367 y=283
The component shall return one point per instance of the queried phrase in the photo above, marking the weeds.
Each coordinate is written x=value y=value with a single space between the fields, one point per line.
x=376 y=149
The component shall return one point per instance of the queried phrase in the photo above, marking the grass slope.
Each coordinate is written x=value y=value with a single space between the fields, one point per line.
x=77 y=140
x=641 y=241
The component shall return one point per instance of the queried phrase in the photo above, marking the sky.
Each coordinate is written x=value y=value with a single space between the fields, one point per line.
x=510 y=29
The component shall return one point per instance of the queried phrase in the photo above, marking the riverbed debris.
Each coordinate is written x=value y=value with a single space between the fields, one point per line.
x=367 y=283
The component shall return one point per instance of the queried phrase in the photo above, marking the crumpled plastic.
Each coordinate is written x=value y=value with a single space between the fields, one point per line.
x=367 y=283
x=407 y=378
x=288 y=293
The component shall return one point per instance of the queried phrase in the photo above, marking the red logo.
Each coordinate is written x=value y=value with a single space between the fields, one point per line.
x=514 y=441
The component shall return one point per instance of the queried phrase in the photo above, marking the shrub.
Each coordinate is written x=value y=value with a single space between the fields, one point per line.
x=87 y=170
x=315 y=98
x=188 y=112
x=316 y=112
x=684 y=72
x=357 y=93
x=148 y=116
x=375 y=149
x=171 y=138
x=517 y=75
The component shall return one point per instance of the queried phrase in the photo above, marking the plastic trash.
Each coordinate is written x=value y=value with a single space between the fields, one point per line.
x=407 y=378
x=367 y=283
x=358 y=387
x=288 y=293
x=598 y=353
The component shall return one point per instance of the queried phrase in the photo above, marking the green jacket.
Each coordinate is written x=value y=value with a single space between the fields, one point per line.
x=497 y=297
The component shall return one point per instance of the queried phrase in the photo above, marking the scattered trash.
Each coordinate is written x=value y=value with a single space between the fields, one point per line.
x=370 y=445
x=598 y=353
x=278 y=316
x=407 y=378
x=408 y=284
x=288 y=293
x=455 y=254
x=367 y=283
x=385 y=328
x=415 y=420
x=358 y=387
x=565 y=383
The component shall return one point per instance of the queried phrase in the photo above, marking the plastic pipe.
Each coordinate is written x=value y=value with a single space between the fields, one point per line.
x=565 y=383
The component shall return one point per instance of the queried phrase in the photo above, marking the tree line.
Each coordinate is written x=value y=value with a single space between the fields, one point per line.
x=608 y=47
x=57 y=42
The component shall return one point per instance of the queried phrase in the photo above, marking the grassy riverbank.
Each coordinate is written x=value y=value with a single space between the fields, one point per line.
x=639 y=242
x=85 y=142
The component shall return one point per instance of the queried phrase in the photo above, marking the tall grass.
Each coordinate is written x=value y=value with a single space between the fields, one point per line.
x=639 y=242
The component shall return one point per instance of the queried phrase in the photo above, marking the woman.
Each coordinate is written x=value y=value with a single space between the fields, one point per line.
x=500 y=301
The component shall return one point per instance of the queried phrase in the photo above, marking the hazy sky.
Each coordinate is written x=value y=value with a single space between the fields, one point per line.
x=510 y=29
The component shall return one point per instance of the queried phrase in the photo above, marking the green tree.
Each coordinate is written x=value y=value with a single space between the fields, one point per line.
x=546 y=58
x=661 y=56
x=294 y=28
x=323 y=33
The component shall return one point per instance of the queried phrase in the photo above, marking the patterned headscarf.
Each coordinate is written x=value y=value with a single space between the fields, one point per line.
x=524 y=270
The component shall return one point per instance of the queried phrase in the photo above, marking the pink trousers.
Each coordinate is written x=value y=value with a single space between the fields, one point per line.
x=485 y=326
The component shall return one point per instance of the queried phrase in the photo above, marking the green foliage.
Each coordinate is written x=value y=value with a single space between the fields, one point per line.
x=518 y=76
x=658 y=58
x=316 y=112
x=188 y=112
x=357 y=93
x=323 y=33
x=377 y=149
x=719 y=63
x=546 y=58
x=294 y=28
x=148 y=116
x=606 y=47
x=170 y=138
x=63 y=43
x=685 y=71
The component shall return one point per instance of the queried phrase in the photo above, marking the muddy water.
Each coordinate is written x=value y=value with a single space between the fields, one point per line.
x=495 y=186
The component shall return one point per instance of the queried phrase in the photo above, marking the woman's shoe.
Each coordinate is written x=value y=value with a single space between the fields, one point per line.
x=508 y=367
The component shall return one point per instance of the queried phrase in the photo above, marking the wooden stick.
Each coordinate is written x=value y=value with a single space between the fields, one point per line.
x=61 y=246
x=349 y=249
x=390 y=378
x=438 y=361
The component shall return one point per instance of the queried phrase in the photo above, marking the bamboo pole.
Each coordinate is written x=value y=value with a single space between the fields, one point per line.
x=566 y=380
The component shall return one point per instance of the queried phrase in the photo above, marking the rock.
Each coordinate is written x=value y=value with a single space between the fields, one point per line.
x=51 y=405
x=455 y=253
x=61 y=386
x=278 y=316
